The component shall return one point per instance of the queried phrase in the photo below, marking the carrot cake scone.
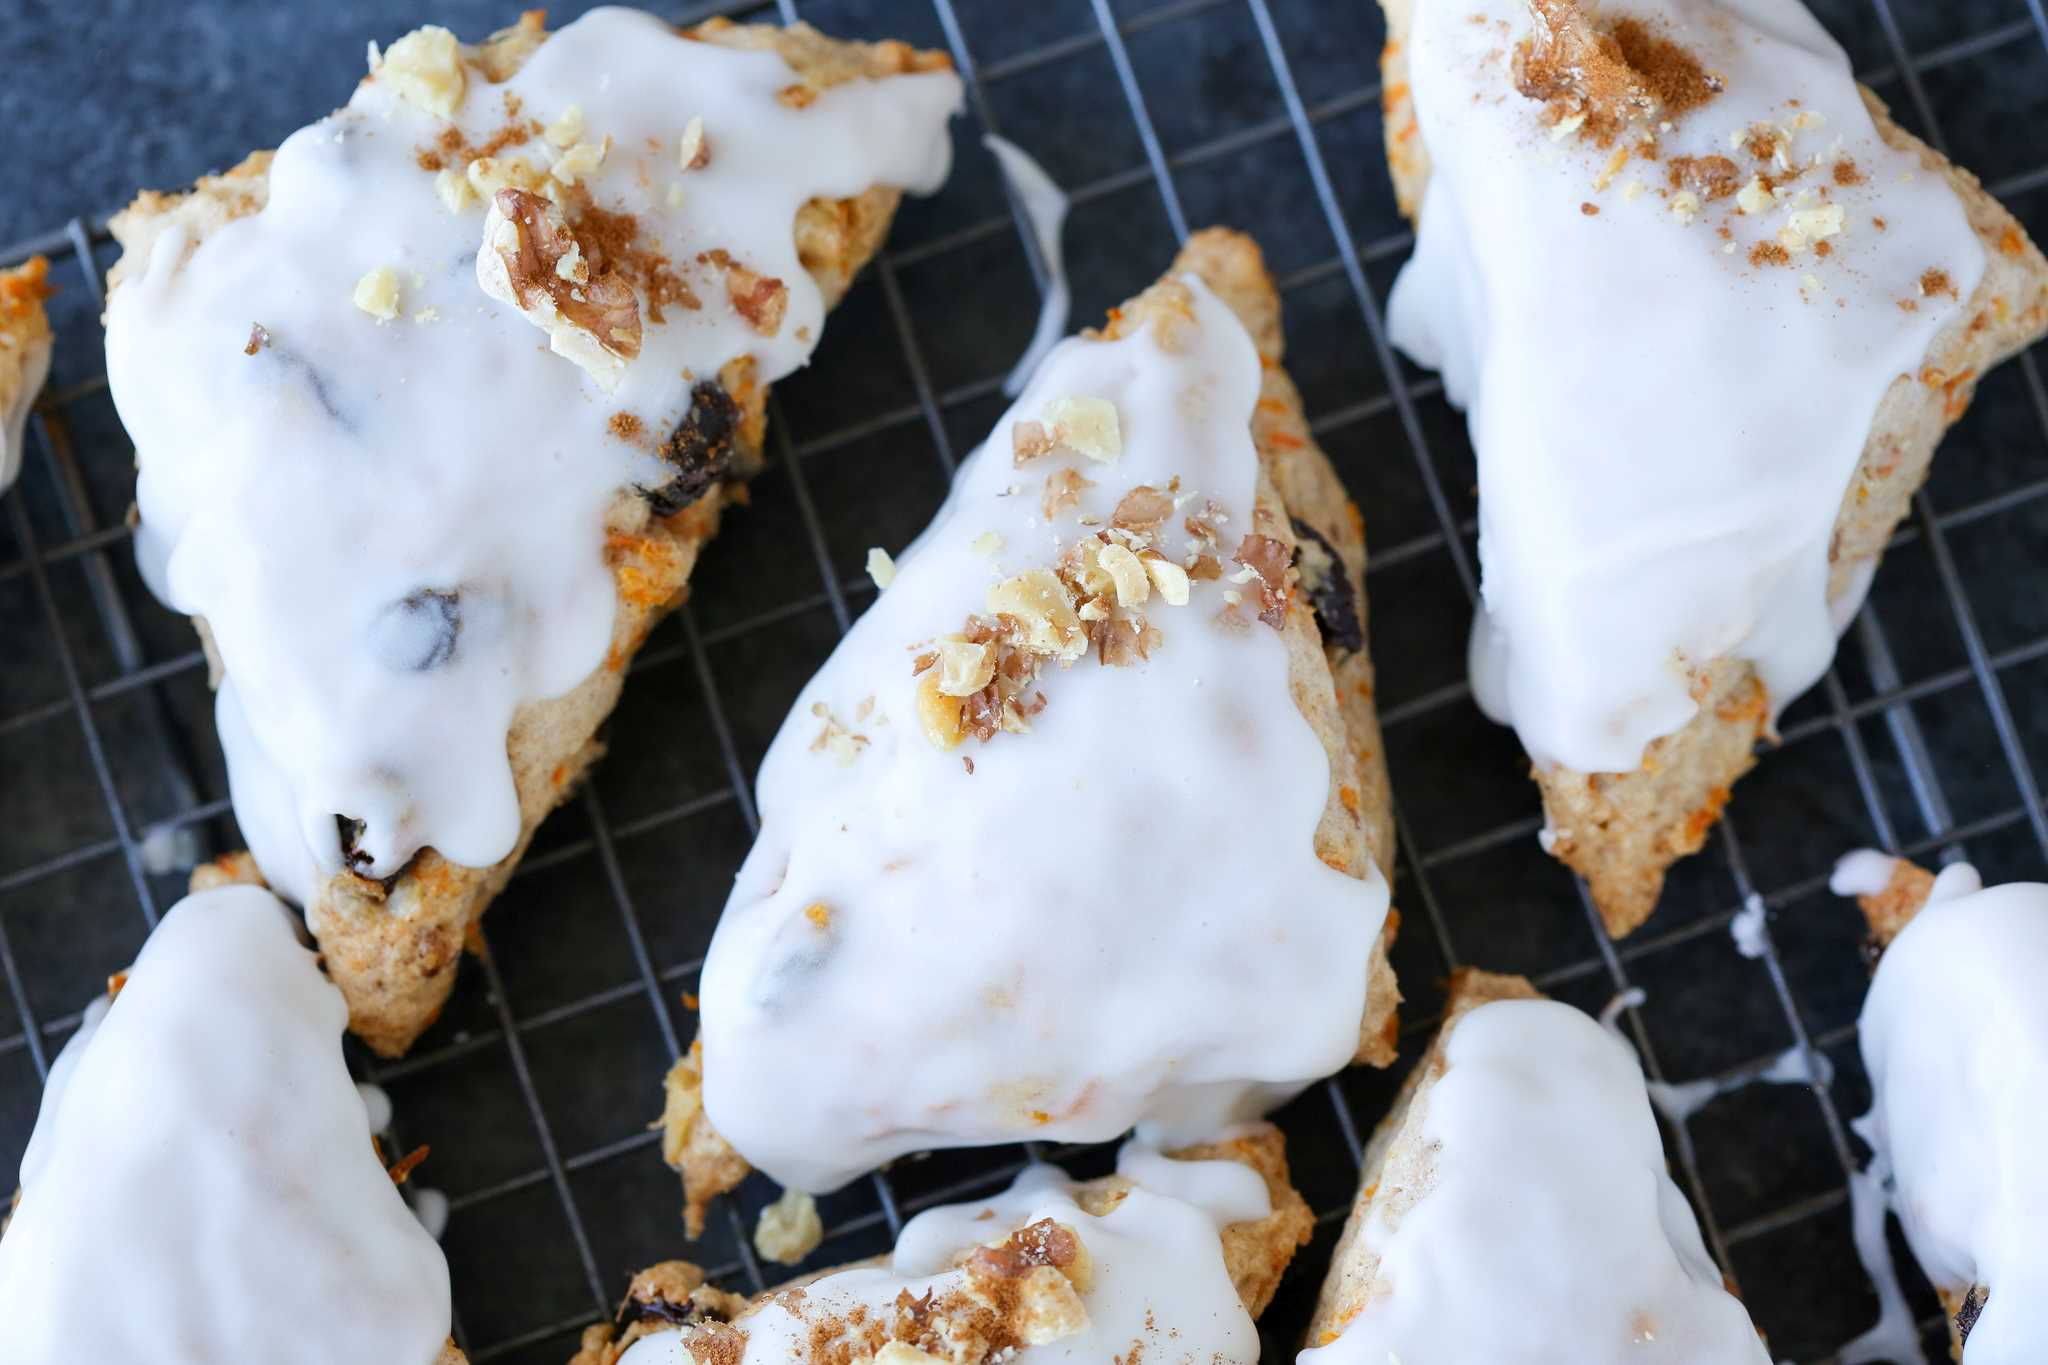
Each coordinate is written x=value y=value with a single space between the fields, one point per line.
x=201 y=1185
x=1954 y=1035
x=1708 y=310
x=24 y=356
x=435 y=406
x=1515 y=1207
x=1170 y=1259
x=1085 y=823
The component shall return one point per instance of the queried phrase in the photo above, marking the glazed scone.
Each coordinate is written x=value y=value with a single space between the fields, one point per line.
x=1099 y=764
x=1954 y=1036
x=1172 y=1257
x=1515 y=1206
x=512 y=315
x=203 y=1155
x=1606 y=198
x=25 y=340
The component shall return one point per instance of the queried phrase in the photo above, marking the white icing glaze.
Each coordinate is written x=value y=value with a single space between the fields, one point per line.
x=1553 y=1231
x=1116 y=918
x=1045 y=208
x=203 y=1155
x=1750 y=927
x=1862 y=872
x=1954 y=1035
x=14 y=414
x=1633 y=528
x=297 y=497
x=1159 y=1280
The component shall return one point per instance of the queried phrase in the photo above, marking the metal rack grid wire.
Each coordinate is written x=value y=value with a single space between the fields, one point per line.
x=1925 y=738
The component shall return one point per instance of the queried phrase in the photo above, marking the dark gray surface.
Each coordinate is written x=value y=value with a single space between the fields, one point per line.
x=535 y=1089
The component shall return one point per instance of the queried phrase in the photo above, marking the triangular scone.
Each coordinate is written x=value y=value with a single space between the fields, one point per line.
x=1515 y=1206
x=1782 y=209
x=202 y=1147
x=25 y=339
x=1954 y=1039
x=600 y=300
x=1159 y=811
x=1142 y=1261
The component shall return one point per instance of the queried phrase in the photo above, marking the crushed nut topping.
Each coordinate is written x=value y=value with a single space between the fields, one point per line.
x=761 y=299
x=1063 y=488
x=1086 y=426
x=693 y=152
x=567 y=129
x=581 y=161
x=789 y=1229
x=591 y=316
x=1028 y=441
x=376 y=293
x=1144 y=508
x=423 y=68
x=834 y=740
x=1269 y=562
x=881 y=568
x=259 y=337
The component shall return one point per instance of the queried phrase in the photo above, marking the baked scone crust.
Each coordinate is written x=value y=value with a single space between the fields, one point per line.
x=1255 y=1253
x=25 y=339
x=1331 y=680
x=1621 y=831
x=393 y=946
x=1399 y=1167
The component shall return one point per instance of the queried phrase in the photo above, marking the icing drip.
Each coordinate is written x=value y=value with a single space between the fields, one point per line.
x=1045 y=208
x=389 y=500
x=1550 y=1206
x=1117 y=917
x=202 y=1148
x=1954 y=1036
x=1633 y=529
x=1156 y=1279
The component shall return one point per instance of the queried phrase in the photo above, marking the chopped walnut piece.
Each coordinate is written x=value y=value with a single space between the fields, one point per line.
x=1268 y=560
x=1685 y=206
x=453 y=186
x=1205 y=569
x=761 y=299
x=1028 y=441
x=881 y=568
x=593 y=320
x=581 y=161
x=376 y=293
x=1171 y=580
x=1121 y=642
x=1037 y=601
x=259 y=337
x=901 y=1353
x=692 y=151
x=1133 y=585
x=567 y=129
x=1144 y=508
x=789 y=1229
x=1063 y=492
x=488 y=174
x=1806 y=227
x=939 y=714
x=1049 y=1309
x=1086 y=426
x=504 y=52
x=834 y=739
x=965 y=667
x=424 y=68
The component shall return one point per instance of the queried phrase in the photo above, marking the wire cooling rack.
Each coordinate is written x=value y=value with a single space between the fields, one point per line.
x=536 y=1087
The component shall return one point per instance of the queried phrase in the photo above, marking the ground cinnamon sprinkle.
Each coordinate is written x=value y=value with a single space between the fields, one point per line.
x=1769 y=253
x=1711 y=177
x=625 y=426
x=1606 y=80
x=610 y=239
x=451 y=149
x=1936 y=282
x=1846 y=173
